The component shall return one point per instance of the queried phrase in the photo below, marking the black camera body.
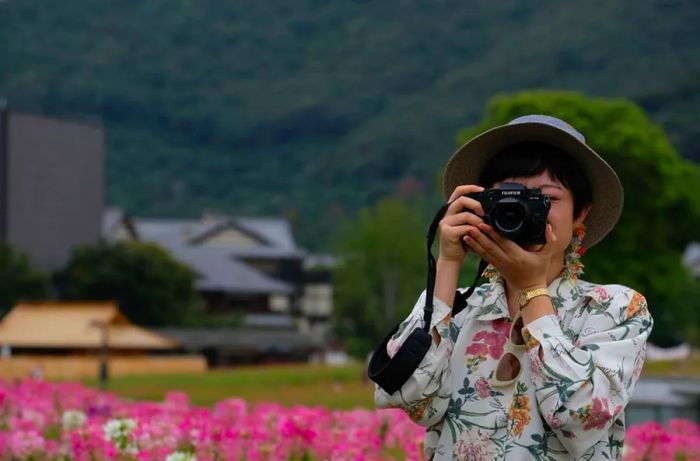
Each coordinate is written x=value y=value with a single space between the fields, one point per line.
x=516 y=212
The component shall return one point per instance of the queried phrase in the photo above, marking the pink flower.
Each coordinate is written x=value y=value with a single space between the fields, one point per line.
x=553 y=421
x=600 y=414
x=474 y=445
x=477 y=349
x=494 y=341
x=25 y=443
x=601 y=293
x=651 y=441
x=501 y=326
x=233 y=430
x=482 y=387
x=684 y=427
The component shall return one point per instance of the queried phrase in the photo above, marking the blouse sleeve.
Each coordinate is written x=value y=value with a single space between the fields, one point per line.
x=582 y=387
x=426 y=394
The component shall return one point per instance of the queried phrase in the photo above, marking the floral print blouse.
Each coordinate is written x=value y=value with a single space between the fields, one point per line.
x=567 y=405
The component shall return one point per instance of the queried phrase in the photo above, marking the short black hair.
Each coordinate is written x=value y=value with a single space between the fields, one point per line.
x=526 y=159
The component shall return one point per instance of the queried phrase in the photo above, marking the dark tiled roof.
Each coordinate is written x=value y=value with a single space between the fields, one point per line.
x=219 y=272
x=218 y=268
x=249 y=339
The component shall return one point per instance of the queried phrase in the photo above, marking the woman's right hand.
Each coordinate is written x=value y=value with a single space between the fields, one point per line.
x=462 y=213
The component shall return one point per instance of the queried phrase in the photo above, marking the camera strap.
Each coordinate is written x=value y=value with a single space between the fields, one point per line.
x=390 y=373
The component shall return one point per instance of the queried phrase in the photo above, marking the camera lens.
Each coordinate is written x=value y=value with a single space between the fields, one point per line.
x=509 y=218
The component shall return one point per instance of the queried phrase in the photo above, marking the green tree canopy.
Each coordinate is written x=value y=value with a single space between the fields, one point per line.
x=383 y=269
x=381 y=273
x=662 y=194
x=150 y=286
x=17 y=279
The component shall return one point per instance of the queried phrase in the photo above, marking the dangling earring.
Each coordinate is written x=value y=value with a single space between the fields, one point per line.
x=573 y=267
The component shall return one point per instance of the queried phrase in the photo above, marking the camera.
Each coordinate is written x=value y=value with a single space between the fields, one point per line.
x=516 y=212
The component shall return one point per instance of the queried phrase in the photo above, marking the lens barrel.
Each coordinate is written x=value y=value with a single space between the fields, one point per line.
x=509 y=216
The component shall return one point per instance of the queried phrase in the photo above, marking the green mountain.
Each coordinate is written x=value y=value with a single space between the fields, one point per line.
x=311 y=108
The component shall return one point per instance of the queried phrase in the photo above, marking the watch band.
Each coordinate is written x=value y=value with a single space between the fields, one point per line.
x=529 y=295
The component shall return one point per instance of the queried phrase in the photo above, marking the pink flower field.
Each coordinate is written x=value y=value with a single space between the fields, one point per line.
x=67 y=421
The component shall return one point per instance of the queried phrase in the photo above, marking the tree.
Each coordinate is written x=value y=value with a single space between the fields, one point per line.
x=150 y=286
x=662 y=195
x=17 y=279
x=381 y=273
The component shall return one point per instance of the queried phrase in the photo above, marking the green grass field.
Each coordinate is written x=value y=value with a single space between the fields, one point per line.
x=298 y=384
x=689 y=368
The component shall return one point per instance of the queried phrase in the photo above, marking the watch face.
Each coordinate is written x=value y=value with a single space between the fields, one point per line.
x=523 y=299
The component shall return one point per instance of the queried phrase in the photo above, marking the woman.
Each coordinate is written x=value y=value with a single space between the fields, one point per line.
x=540 y=364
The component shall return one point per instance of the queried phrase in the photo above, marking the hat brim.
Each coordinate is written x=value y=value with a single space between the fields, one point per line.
x=466 y=164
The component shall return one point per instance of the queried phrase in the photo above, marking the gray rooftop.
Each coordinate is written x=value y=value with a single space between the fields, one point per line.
x=218 y=271
x=247 y=340
x=218 y=268
x=273 y=234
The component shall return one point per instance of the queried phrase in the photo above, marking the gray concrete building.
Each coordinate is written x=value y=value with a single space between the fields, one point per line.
x=51 y=185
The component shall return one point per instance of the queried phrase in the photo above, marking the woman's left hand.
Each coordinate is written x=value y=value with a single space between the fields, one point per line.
x=523 y=269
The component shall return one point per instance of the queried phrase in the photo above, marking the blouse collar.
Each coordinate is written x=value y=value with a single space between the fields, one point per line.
x=489 y=301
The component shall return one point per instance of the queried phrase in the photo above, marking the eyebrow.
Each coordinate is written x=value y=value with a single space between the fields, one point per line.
x=550 y=185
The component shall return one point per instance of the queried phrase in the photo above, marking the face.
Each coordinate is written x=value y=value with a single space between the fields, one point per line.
x=561 y=213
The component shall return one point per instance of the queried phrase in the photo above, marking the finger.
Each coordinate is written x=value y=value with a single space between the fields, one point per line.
x=465 y=190
x=459 y=219
x=463 y=203
x=550 y=236
x=550 y=240
x=495 y=252
x=503 y=242
x=474 y=246
x=506 y=244
x=455 y=232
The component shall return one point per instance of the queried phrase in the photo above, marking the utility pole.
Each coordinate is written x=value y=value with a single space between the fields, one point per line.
x=103 y=369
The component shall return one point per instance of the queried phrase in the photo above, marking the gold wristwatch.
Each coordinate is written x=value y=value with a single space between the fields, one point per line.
x=529 y=295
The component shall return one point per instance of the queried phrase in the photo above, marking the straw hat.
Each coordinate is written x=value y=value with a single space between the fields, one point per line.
x=465 y=165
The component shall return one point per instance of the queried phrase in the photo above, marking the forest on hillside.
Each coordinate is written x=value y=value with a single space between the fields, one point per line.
x=314 y=109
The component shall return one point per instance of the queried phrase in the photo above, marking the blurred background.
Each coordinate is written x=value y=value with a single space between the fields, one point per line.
x=230 y=198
